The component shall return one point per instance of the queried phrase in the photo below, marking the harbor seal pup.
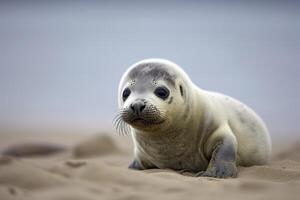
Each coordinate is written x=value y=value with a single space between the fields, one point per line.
x=176 y=125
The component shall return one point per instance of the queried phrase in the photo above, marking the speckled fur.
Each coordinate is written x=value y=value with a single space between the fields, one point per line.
x=205 y=132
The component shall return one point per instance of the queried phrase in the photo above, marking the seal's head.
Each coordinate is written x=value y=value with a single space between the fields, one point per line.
x=152 y=95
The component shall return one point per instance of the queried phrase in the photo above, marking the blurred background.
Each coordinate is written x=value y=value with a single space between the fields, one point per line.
x=61 y=61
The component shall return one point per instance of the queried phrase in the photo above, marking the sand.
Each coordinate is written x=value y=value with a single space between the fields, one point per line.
x=95 y=167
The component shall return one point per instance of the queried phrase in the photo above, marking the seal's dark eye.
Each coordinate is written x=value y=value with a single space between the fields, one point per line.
x=126 y=94
x=162 y=92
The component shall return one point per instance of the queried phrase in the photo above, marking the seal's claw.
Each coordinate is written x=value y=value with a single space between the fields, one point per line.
x=135 y=165
x=184 y=171
x=224 y=170
x=199 y=173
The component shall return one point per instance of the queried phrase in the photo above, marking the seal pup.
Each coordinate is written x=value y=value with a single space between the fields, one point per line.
x=176 y=125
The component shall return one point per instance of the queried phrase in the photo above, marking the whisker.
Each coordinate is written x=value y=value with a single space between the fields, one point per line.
x=121 y=127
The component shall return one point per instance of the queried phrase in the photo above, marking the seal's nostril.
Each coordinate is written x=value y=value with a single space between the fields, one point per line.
x=132 y=107
x=142 y=107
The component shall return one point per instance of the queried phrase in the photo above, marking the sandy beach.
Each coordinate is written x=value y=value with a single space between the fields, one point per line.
x=95 y=167
x=61 y=63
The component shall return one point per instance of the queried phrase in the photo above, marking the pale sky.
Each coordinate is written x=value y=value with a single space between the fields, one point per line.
x=60 y=63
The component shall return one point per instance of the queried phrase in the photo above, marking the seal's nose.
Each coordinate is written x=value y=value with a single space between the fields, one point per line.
x=138 y=106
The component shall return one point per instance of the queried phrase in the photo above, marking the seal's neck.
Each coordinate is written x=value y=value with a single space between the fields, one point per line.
x=161 y=145
x=160 y=136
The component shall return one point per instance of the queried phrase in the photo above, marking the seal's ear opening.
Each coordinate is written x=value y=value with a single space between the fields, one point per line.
x=181 y=90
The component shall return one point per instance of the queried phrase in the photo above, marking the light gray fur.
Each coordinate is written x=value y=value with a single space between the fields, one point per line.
x=195 y=122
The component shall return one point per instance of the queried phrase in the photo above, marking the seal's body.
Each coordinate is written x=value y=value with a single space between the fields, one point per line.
x=176 y=125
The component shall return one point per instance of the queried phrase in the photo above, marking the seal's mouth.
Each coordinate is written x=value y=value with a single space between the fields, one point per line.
x=139 y=121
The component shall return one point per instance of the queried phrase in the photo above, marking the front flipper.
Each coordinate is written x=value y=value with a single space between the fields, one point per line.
x=223 y=159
